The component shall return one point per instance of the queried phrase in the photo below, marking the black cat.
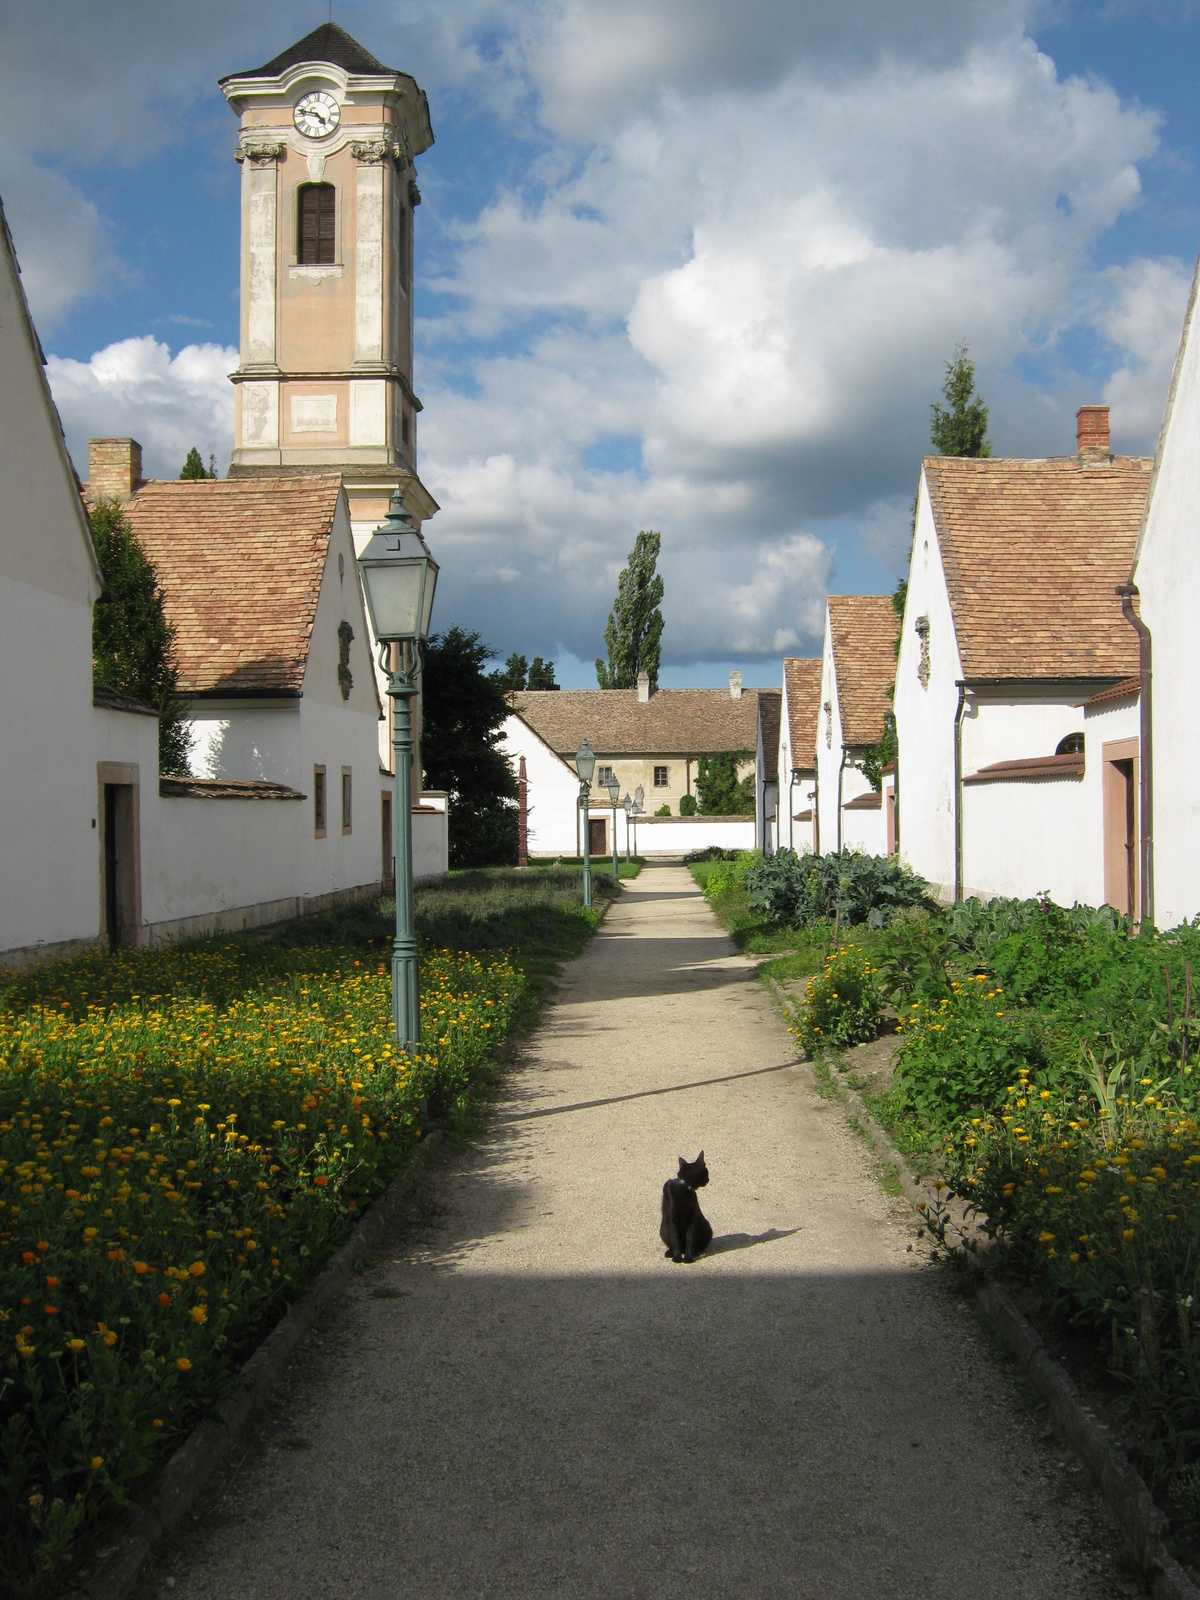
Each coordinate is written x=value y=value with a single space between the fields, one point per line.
x=685 y=1230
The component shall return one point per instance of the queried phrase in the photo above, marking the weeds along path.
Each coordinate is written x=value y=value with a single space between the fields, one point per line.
x=523 y=1398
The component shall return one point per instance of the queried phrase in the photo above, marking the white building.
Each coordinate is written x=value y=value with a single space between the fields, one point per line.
x=797 y=762
x=1166 y=575
x=1011 y=700
x=858 y=664
x=652 y=741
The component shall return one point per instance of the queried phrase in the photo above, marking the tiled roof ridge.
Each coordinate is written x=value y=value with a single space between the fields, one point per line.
x=677 y=722
x=863 y=630
x=1117 y=691
x=802 y=675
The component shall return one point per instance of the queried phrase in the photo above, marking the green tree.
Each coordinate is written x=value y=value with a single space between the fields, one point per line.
x=541 y=674
x=633 y=636
x=960 y=426
x=132 y=641
x=464 y=709
x=873 y=760
x=514 y=674
x=194 y=466
x=718 y=788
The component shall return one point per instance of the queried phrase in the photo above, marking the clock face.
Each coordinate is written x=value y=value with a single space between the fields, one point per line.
x=317 y=114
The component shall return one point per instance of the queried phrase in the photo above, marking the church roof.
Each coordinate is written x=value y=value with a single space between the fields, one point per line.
x=240 y=562
x=326 y=43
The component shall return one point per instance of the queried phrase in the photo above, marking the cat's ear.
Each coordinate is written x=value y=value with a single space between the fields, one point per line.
x=682 y=1163
x=700 y=1157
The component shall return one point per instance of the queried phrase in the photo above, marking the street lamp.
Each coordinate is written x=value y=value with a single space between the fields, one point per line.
x=585 y=765
x=398 y=577
x=628 y=804
x=614 y=789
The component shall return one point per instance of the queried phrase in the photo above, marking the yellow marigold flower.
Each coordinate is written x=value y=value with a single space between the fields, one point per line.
x=1045 y=1238
x=197 y=1269
x=97 y=1463
x=199 y=1313
x=183 y=1363
x=110 y=1339
x=1128 y=1233
x=75 y=1344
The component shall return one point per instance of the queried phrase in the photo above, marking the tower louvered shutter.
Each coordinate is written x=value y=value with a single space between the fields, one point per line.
x=316 y=224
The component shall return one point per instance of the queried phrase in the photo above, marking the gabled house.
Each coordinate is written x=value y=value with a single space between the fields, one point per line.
x=766 y=766
x=648 y=741
x=801 y=701
x=1161 y=706
x=1011 y=694
x=858 y=666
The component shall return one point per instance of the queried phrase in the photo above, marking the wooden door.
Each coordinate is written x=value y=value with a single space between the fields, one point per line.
x=598 y=835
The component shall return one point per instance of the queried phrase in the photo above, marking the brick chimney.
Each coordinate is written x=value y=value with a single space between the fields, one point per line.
x=114 y=468
x=1091 y=433
x=643 y=688
x=735 y=685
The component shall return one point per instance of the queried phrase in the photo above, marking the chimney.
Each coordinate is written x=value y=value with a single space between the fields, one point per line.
x=643 y=688
x=1091 y=433
x=114 y=468
x=735 y=685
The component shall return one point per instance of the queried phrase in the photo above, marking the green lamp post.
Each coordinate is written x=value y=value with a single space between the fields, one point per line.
x=398 y=577
x=585 y=765
x=614 y=789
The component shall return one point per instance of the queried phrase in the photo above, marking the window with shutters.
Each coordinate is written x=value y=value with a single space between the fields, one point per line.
x=317 y=207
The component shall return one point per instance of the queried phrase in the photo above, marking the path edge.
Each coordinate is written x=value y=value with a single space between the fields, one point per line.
x=1122 y=1488
x=186 y=1474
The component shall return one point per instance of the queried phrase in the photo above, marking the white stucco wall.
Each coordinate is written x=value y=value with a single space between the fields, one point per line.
x=1167 y=575
x=553 y=791
x=430 y=838
x=677 y=836
x=925 y=714
x=829 y=763
x=1020 y=839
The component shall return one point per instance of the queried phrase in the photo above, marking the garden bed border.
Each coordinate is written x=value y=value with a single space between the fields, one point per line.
x=185 y=1475
x=1122 y=1488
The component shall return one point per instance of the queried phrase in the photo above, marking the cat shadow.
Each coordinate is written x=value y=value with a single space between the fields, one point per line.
x=742 y=1241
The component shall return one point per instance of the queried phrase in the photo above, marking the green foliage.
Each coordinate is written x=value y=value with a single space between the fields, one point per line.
x=1099 y=1212
x=633 y=636
x=960 y=427
x=541 y=674
x=514 y=674
x=719 y=791
x=464 y=710
x=132 y=641
x=687 y=805
x=729 y=874
x=664 y=810
x=194 y=466
x=843 y=1004
x=873 y=760
x=796 y=889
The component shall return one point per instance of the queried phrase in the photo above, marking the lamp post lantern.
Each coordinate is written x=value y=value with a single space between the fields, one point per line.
x=585 y=765
x=614 y=789
x=399 y=577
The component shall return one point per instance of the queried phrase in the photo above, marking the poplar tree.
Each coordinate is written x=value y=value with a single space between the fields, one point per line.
x=194 y=466
x=960 y=426
x=633 y=636
x=132 y=641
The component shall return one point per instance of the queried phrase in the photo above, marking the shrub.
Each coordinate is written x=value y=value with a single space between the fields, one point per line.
x=664 y=810
x=795 y=889
x=687 y=805
x=843 y=1004
x=720 y=792
x=711 y=852
x=731 y=874
x=1095 y=1200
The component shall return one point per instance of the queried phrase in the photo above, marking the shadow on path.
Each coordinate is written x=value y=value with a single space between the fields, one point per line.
x=637 y=1094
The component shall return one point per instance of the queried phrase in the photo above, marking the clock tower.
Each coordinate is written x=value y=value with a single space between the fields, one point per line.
x=328 y=138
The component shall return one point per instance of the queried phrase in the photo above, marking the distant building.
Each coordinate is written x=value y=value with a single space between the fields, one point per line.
x=798 y=752
x=858 y=669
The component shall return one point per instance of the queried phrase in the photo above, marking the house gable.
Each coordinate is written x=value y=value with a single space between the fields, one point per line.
x=337 y=662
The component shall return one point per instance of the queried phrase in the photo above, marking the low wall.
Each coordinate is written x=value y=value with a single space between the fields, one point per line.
x=678 y=836
x=430 y=838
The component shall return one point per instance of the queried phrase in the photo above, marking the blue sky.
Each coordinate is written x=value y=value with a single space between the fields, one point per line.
x=688 y=267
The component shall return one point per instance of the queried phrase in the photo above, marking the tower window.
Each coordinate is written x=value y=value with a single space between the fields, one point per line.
x=315 y=244
x=405 y=427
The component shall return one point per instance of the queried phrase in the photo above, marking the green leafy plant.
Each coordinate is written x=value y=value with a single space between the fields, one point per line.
x=796 y=889
x=664 y=810
x=843 y=1004
x=687 y=805
x=719 y=790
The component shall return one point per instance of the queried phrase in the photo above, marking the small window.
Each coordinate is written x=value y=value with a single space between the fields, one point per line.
x=662 y=778
x=1072 y=745
x=315 y=243
x=603 y=774
x=319 y=802
x=345 y=799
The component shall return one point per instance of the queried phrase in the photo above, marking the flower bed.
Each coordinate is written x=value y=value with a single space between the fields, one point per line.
x=184 y=1137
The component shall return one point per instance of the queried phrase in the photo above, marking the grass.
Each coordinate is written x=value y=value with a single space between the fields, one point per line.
x=185 y=1136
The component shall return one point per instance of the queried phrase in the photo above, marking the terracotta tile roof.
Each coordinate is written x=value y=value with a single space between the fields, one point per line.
x=1065 y=766
x=1033 y=552
x=225 y=789
x=803 y=679
x=677 y=722
x=240 y=561
x=770 y=703
x=106 y=699
x=871 y=801
x=1125 y=690
x=864 y=629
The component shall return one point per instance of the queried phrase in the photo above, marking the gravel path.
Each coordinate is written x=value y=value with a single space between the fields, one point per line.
x=523 y=1398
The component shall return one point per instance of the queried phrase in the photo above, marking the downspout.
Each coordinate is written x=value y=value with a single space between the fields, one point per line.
x=841 y=770
x=817 y=810
x=791 y=801
x=1128 y=592
x=896 y=797
x=958 y=808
